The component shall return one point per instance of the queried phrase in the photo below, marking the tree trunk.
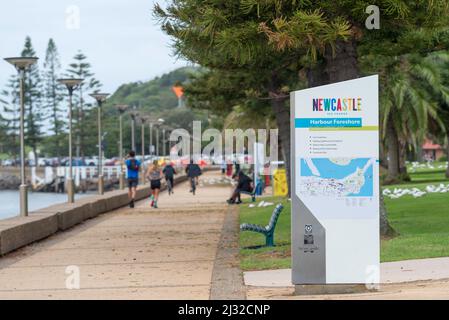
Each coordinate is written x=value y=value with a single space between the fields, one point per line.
x=419 y=155
x=341 y=65
x=382 y=155
x=447 y=154
x=402 y=161
x=385 y=229
x=393 y=153
x=317 y=76
x=282 y=113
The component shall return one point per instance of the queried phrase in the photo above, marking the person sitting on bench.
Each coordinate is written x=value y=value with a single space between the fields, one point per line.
x=244 y=184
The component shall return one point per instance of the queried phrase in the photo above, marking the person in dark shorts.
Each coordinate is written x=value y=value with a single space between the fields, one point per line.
x=169 y=173
x=244 y=183
x=133 y=167
x=154 y=173
x=193 y=171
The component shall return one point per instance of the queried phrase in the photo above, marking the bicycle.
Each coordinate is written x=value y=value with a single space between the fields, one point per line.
x=193 y=184
x=169 y=187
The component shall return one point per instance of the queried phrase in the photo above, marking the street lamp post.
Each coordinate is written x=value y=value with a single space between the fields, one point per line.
x=164 y=143
x=21 y=64
x=71 y=85
x=143 y=120
x=100 y=98
x=159 y=123
x=151 y=138
x=121 y=109
x=133 y=115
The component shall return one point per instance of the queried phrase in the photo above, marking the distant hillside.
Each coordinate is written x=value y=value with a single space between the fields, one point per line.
x=154 y=98
x=154 y=95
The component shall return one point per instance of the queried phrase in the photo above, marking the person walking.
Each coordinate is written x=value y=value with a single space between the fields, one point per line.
x=133 y=167
x=154 y=174
x=169 y=173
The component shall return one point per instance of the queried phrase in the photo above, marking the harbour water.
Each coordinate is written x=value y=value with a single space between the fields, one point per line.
x=9 y=202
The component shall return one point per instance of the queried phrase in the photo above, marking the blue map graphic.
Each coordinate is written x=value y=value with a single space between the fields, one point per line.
x=329 y=171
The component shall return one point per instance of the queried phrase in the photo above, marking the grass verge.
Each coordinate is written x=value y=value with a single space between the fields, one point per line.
x=422 y=224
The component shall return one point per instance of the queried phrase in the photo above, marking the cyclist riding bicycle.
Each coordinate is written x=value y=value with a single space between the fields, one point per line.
x=193 y=171
x=169 y=173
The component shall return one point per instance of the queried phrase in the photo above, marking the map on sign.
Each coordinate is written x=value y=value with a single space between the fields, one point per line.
x=337 y=177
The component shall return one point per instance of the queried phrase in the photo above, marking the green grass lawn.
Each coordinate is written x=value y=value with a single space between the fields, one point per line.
x=253 y=255
x=422 y=224
x=423 y=227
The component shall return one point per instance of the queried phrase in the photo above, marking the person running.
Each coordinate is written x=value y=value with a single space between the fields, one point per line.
x=193 y=171
x=244 y=183
x=154 y=173
x=169 y=173
x=133 y=167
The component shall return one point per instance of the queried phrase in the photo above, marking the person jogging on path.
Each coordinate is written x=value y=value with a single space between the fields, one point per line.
x=154 y=173
x=193 y=171
x=169 y=173
x=133 y=167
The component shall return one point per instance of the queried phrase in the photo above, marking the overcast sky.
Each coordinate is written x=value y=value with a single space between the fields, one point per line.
x=119 y=37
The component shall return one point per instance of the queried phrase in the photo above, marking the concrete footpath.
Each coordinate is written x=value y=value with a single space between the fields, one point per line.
x=141 y=253
x=410 y=279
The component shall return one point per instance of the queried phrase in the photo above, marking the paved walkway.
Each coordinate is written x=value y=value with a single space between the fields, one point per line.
x=168 y=253
x=390 y=273
x=410 y=279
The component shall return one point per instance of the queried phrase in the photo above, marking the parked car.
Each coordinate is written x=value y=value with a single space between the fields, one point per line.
x=8 y=163
x=76 y=162
x=43 y=162
x=92 y=162
x=54 y=162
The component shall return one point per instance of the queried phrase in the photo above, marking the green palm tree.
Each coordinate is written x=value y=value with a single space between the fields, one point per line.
x=410 y=98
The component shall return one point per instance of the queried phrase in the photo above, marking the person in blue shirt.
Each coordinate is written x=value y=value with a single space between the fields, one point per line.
x=133 y=167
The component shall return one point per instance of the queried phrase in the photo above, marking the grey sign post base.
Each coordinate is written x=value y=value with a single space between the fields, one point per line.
x=324 y=289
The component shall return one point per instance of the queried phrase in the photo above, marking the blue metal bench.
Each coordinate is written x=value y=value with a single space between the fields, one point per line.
x=267 y=231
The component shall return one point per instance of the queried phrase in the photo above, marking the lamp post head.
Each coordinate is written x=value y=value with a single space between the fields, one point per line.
x=100 y=97
x=143 y=119
x=122 y=108
x=70 y=83
x=22 y=63
x=134 y=114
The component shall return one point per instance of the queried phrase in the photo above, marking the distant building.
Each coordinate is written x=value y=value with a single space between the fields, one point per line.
x=432 y=151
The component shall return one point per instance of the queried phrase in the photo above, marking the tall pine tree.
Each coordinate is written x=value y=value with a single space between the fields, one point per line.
x=53 y=97
x=80 y=68
x=34 y=115
x=11 y=115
